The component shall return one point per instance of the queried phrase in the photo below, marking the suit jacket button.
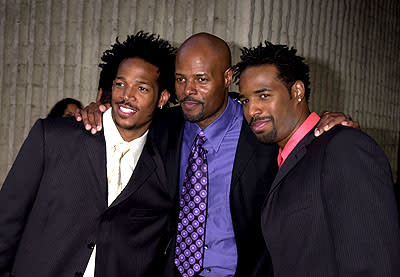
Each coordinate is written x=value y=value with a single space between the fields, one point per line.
x=91 y=245
x=78 y=274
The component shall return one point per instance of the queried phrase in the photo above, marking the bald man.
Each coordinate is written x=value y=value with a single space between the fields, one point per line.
x=216 y=231
x=240 y=169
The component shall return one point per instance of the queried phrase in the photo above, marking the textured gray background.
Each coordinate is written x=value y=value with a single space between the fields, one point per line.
x=49 y=49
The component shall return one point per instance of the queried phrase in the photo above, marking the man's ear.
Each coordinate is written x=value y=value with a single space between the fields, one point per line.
x=228 y=75
x=163 y=98
x=298 y=91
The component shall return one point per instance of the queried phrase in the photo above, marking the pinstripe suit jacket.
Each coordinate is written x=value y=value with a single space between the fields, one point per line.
x=331 y=210
x=53 y=208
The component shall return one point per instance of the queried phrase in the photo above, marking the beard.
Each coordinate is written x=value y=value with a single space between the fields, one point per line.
x=195 y=117
x=269 y=137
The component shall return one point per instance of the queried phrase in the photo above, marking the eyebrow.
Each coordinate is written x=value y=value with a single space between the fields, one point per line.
x=255 y=92
x=137 y=81
x=197 y=74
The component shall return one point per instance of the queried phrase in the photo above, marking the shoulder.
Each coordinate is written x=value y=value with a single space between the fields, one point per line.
x=62 y=127
x=343 y=137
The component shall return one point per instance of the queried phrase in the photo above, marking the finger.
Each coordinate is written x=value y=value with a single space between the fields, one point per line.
x=98 y=120
x=78 y=115
x=99 y=94
x=84 y=114
x=327 y=121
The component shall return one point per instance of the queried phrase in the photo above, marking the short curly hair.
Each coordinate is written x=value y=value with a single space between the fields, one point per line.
x=148 y=47
x=290 y=66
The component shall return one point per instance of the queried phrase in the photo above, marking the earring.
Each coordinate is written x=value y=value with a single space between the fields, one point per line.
x=161 y=107
x=299 y=99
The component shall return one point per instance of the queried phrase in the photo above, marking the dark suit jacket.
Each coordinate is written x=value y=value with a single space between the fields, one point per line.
x=331 y=210
x=53 y=208
x=253 y=171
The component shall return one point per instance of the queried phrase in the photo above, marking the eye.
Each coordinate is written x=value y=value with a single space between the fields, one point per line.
x=243 y=101
x=119 y=84
x=264 y=96
x=179 y=79
x=202 y=79
x=143 y=89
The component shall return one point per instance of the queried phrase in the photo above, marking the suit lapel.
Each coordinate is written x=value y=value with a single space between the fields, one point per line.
x=245 y=150
x=294 y=157
x=96 y=150
x=144 y=168
x=172 y=163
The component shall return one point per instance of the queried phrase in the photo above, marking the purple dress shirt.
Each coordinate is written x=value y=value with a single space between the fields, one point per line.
x=220 y=253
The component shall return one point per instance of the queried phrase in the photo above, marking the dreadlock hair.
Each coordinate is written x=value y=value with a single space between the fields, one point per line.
x=290 y=66
x=148 y=47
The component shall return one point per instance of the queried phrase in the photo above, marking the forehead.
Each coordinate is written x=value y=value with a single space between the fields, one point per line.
x=137 y=68
x=197 y=59
x=259 y=75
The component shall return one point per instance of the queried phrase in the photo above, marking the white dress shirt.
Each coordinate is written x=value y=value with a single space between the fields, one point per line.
x=128 y=164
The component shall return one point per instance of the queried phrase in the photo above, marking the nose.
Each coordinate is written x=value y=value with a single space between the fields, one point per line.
x=190 y=87
x=129 y=93
x=253 y=109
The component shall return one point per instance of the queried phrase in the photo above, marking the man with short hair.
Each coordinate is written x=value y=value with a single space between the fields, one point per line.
x=221 y=172
x=74 y=204
x=331 y=209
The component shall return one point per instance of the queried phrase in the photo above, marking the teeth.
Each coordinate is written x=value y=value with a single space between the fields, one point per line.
x=126 y=110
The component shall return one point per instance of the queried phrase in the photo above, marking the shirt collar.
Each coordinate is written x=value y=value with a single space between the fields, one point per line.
x=113 y=137
x=216 y=131
x=300 y=133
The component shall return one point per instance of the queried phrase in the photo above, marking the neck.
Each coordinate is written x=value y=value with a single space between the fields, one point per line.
x=302 y=116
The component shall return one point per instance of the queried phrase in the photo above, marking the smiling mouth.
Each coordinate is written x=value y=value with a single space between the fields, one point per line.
x=258 y=126
x=126 y=111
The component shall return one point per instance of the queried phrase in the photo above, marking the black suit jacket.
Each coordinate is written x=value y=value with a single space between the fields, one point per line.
x=254 y=169
x=53 y=208
x=331 y=210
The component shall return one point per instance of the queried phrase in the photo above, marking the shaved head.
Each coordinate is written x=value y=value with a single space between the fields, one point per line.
x=211 y=45
x=203 y=74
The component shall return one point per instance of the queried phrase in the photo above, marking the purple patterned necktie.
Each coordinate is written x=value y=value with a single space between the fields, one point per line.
x=192 y=214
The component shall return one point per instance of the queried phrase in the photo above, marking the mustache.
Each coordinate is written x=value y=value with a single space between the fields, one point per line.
x=127 y=103
x=254 y=120
x=191 y=99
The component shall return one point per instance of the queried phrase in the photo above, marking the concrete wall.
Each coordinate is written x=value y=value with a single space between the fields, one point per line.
x=49 y=49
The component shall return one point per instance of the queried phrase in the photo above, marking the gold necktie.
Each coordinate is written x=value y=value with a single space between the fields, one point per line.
x=114 y=180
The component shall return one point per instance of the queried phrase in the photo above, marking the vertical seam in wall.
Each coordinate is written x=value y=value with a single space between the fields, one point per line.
x=62 y=45
x=2 y=48
x=96 y=58
x=231 y=21
x=150 y=19
x=262 y=18
x=78 y=54
x=114 y=22
x=45 y=60
x=287 y=25
x=29 y=63
x=279 y=29
x=133 y=15
x=170 y=24
x=210 y=16
x=13 y=87
x=189 y=18
x=271 y=15
x=251 y=23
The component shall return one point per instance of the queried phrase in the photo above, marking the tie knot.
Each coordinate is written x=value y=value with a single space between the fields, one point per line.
x=200 y=138
x=121 y=147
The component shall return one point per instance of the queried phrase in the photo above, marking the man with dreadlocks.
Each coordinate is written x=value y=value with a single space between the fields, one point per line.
x=74 y=204
x=331 y=210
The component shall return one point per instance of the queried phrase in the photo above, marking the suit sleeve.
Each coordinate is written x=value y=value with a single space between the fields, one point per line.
x=360 y=207
x=18 y=194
